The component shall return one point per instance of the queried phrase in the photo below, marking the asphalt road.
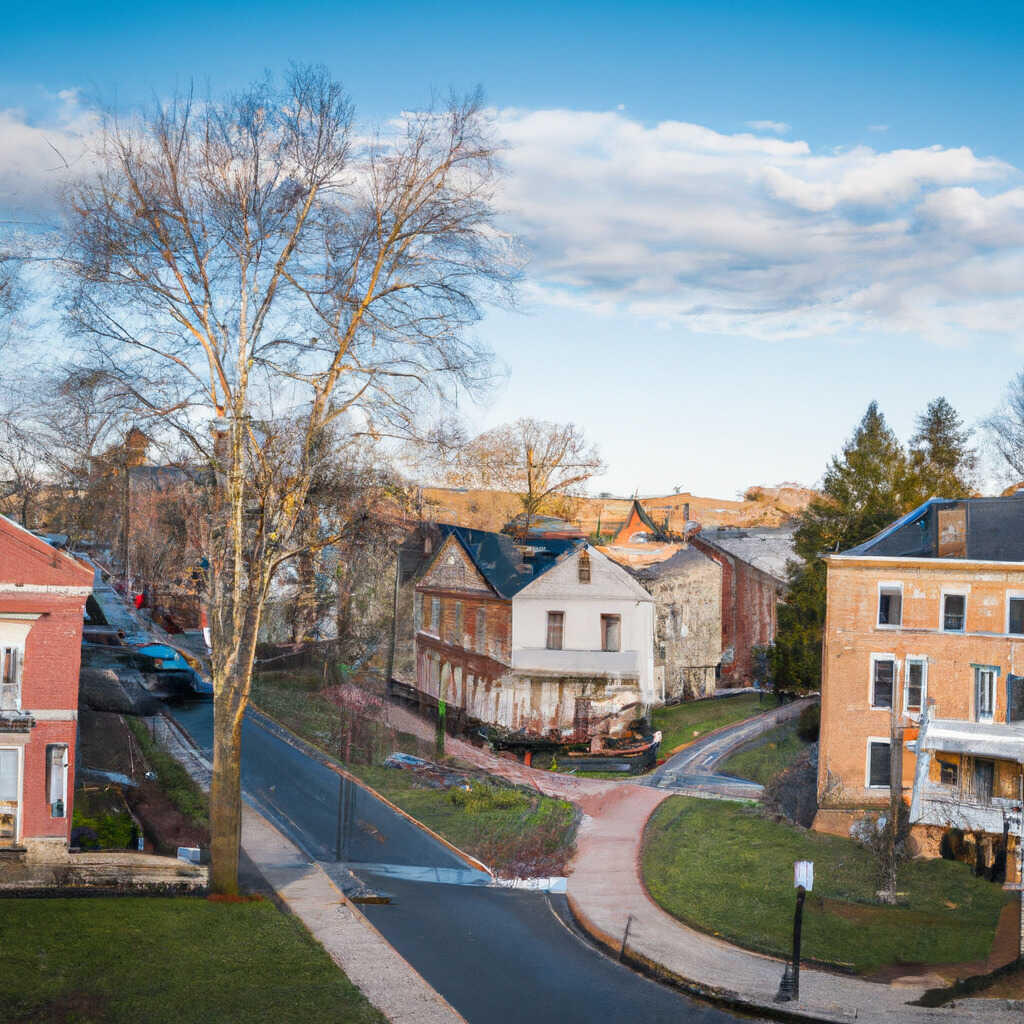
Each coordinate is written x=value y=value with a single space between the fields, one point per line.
x=498 y=956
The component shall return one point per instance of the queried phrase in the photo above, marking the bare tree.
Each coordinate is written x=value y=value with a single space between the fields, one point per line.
x=541 y=462
x=1005 y=427
x=257 y=278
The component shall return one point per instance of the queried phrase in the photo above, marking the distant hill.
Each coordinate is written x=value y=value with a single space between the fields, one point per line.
x=490 y=510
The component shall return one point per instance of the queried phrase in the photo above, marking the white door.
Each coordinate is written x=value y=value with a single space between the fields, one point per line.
x=10 y=795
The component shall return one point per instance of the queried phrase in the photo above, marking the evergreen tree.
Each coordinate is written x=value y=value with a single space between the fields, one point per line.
x=942 y=462
x=864 y=489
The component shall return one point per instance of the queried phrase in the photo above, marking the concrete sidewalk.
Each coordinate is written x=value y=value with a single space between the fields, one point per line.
x=605 y=887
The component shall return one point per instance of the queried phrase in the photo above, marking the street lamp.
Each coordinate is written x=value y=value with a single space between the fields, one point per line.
x=803 y=882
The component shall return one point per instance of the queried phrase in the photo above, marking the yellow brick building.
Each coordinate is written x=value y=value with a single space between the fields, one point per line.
x=924 y=646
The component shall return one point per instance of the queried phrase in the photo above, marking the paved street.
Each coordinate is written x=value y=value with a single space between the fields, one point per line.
x=495 y=955
x=694 y=767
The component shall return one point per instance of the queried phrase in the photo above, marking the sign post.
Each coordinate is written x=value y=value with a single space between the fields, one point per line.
x=803 y=882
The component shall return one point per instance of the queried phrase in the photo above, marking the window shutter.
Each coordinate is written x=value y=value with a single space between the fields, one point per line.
x=1015 y=698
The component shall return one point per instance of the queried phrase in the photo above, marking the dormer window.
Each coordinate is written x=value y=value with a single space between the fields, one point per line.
x=583 y=567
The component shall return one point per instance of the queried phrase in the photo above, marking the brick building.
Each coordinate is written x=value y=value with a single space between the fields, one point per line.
x=42 y=599
x=686 y=586
x=924 y=646
x=543 y=637
x=753 y=565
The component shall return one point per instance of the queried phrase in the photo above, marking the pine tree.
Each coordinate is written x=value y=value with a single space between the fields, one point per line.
x=864 y=489
x=942 y=462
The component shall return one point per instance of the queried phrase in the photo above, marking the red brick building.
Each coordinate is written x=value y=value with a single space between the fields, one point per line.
x=753 y=565
x=42 y=599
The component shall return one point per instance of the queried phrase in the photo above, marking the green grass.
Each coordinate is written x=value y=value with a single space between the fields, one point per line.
x=511 y=830
x=683 y=723
x=168 y=960
x=725 y=869
x=535 y=835
x=174 y=780
x=775 y=751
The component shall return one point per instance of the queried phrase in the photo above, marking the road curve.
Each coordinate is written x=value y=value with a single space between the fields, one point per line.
x=498 y=956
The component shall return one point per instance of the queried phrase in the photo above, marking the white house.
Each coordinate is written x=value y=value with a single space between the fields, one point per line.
x=545 y=637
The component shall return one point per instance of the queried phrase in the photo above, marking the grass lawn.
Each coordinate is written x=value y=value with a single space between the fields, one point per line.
x=155 y=959
x=773 y=753
x=683 y=723
x=725 y=869
x=511 y=831
x=515 y=832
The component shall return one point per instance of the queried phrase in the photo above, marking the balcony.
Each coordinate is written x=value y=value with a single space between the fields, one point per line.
x=966 y=802
x=624 y=664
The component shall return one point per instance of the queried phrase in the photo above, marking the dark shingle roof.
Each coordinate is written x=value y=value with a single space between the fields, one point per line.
x=507 y=566
x=995 y=531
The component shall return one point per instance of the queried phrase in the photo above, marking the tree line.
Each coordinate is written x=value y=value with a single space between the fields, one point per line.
x=871 y=483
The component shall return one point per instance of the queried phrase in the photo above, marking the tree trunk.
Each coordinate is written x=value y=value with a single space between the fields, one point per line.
x=226 y=791
x=231 y=696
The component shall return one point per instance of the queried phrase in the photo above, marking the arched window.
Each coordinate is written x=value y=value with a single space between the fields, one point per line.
x=583 y=567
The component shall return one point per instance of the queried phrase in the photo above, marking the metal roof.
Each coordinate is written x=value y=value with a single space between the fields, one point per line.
x=995 y=531
x=765 y=548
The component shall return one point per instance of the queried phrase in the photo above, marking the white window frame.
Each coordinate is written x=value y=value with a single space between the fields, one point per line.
x=19 y=682
x=887 y=741
x=952 y=592
x=875 y=657
x=888 y=585
x=1012 y=595
x=922 y=660
x=19 y=814
x=62 y=778
x=996 y=672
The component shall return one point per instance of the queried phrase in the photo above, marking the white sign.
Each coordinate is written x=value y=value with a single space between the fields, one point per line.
x=803 y=874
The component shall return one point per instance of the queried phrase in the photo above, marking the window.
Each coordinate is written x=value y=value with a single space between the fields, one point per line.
x=878 y=763
x=556 y=623
x=954 y=609
x=984 y=692
x=1015 y=615
x=883 y=675
x=10 y=787
x=57 y=778
x=583 y=567
x=915 y=686
x=949 y=773
x=10 y=678
x=459 y=638
x=417 y=611
x=611 y=632
x=890 y=604
x=481 y=630
x=435 y=615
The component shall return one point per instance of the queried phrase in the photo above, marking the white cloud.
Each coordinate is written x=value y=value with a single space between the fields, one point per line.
x=778 y=127
x=37 y=156
x=753 y=234
x=878 y=127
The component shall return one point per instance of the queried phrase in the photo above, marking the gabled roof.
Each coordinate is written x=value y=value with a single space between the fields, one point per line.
x=637 y=510
x=505 y=564
x=54 y=567
x=994 y=531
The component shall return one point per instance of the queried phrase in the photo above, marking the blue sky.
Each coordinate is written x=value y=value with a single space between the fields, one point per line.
x=745 y=220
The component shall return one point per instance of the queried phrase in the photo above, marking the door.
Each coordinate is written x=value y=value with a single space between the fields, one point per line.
x=984 y=777
x=10 y=795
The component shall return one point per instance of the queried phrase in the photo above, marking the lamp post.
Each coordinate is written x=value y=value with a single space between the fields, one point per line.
x=803 y=882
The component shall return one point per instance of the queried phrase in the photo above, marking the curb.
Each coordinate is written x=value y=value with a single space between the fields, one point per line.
x=708 y=993
x=293 y=739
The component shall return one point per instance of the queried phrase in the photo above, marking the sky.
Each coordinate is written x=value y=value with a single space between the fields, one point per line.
x=743 y=222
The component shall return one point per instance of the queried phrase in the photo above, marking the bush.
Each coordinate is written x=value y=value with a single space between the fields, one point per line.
x=488 y=798
x=808 y=724
x=113 y=831
x=952 y=845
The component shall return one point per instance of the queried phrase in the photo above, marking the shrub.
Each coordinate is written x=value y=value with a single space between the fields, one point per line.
x=809 y=723
x=488 y=798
